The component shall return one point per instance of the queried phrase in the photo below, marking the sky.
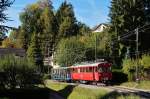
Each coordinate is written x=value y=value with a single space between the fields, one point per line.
x=90 y=12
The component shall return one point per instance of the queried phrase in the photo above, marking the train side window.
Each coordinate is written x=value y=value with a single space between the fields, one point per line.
x=81 y=70
x=87 y=69
x=90 y=69
x=75 y=70
x=72 y=69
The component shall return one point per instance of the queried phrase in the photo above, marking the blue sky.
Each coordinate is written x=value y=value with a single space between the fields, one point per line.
x=90 y=12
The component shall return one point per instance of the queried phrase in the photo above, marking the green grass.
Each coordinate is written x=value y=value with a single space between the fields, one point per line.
x=85 y=93
x=128 y=97
x=76 y=92
x=56 y=85
x=141 y=85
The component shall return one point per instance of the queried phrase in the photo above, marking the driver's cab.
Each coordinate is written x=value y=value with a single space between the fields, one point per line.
x=104 y=68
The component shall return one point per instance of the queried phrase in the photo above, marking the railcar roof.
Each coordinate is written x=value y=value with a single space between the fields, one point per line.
x=89 y=64
x=61 y=68
x=82 y=65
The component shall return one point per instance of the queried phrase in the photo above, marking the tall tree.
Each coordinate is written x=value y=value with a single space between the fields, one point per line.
x=127 y=15
x=83 y=29
x=4 y=4
x=66 y=20
x=49 y=29
x=69 y=51
x=39 y=18
x=34 y=52
x=30 y=22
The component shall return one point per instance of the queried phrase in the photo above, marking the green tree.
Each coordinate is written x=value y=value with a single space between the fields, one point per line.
x=4 y=5
x=49 y=29
x=66 y=20
x=83 y=48
x=17 y=38
x=39 y=18
x=69 y=52
x=8 y=43
x=83 y=29
x=30 y=23
x=126 y=16
x=97 y=44
x=34 y=52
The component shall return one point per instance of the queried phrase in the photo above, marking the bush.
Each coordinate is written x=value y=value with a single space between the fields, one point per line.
x=129 y=67
x=145 y=61
x=16 y=71
x=119 y=77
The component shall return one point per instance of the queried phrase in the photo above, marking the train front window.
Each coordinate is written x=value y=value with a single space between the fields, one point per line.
x=104 y=69
x=108 y=69
x=100 y=69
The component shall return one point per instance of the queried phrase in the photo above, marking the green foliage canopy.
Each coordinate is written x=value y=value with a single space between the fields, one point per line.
x=69 y=52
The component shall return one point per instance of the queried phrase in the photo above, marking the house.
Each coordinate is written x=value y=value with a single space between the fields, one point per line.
x=49 y=60
x=100 y=28
x=16 y=51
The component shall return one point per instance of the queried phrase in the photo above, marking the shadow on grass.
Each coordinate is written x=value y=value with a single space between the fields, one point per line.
x=115 y=95
x=66 y=91
x=118 y=78
x=111 y=95
x=35 y=93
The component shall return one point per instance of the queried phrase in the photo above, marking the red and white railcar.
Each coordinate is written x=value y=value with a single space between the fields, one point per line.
x=97 y=72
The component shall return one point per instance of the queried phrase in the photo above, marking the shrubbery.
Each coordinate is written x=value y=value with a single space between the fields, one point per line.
x=129 y=67
x=16 y=72
x=118 y=77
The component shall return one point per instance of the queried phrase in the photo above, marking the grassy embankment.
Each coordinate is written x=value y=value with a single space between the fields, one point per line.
x=76 y=92
x=141 y=85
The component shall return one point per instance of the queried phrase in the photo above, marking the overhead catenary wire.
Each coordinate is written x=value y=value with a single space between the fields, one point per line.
x=133 y=31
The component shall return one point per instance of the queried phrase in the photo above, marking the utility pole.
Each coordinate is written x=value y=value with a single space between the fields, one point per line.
x=137 y=53
x=95 y=48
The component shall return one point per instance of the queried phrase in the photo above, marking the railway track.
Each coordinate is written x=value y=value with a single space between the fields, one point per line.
x=143 y=94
